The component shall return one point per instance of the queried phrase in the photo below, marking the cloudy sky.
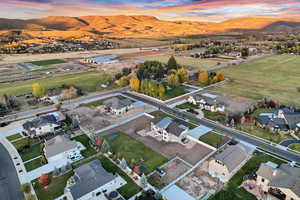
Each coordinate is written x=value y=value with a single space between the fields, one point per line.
x=199 y=10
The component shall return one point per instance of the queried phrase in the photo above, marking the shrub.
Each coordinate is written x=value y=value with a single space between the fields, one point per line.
x=26 y=188
x=45 y=180
x=31 y=197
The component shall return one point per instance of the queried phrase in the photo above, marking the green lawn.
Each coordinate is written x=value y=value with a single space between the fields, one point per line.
x=14 y=137
x=214 y=116
x=262 y=133
x=36 y=163
x=155 y=181
x=48 y=62
x=192 y=63
x=127 y=190
x=295 y=147
x=89 y=81
x=186 y=106
x=33 y=152
x=273 y=77
x=19 y=144
x=55 y=189
x=84 y=139
x=176 y=92
x=213 y=139
x=232 y=191
x=133 y=149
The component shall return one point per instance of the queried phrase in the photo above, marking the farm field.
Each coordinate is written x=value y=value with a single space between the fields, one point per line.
x=89 y=81
x=275 y=77
x=185 y=61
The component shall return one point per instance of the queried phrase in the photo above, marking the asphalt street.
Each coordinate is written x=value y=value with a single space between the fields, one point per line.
x=222 y=129
x=9 y=182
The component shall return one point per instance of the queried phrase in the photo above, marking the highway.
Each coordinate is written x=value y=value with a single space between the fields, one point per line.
x=272 y=148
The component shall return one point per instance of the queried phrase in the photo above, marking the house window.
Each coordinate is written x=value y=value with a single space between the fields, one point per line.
x=104 y=191
x=262 y=180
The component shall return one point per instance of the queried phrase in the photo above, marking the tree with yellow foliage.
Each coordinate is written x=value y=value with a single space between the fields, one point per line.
x=38 y=90
x=220 y=76
x=123 y=81
x=183 y=75
x=135 y=83
x=173 y=80
x=162 y=90
x=203 y=77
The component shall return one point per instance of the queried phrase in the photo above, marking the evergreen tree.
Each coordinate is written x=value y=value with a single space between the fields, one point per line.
x=172 y=64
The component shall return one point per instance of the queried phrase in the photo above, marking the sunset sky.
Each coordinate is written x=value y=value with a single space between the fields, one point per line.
x=199 y=10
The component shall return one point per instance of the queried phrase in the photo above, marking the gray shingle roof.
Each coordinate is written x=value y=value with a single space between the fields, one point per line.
x=170 y=125
x=233 y=156
x=57 y=145
x=41 y=121
x=90 y=177
x=117 y=103
x=164 y=123
x=209 y=101
x=284 y=177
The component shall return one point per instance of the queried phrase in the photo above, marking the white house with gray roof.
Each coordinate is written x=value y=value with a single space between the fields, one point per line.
x=118 y=106
x=61 y=148
x=208 y=102
x=168 y=130
x=227 y=162
x=91 y=182
x=282 y=182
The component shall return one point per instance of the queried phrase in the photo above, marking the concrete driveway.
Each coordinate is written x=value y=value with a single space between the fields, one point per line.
x=9 y=182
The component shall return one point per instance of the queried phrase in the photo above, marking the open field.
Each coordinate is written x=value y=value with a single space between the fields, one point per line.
x=233 y=191
x=275 y=77
x=185 y=61
x=132 y=149
x=47 y=62
x=89 y=81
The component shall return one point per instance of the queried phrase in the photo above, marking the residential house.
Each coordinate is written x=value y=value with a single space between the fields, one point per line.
x=226 y=163
x=168 y=130
x=118 y=106
x=208 y=102
x=91 y=182
x=282 y=182
x=280 y=120
x=42 y=125
x=61 y=148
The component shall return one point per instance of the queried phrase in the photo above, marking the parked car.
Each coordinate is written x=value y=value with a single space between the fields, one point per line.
x=160 y=172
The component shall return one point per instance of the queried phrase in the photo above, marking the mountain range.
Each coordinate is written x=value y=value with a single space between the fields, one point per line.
x=137 y=26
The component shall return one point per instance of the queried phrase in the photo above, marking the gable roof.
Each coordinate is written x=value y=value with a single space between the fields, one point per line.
x=40 y=121
x=232 y=156
x=116 y=103
x=285 y=176
x=90 y=177
x=170 y=125
x=57 y=145
x=209 y=99
x=164 y=123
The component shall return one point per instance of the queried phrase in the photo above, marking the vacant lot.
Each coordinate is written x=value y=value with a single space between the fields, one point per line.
x=193 y=63
x=47 y=62
x=132 y=149
x=275 y=77
x=89 y=81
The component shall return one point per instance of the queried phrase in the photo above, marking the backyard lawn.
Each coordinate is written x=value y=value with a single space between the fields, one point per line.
x=232 y=191
x=127 y=190
x=213 y=139
x=84 y=140
x=32 y=152
x=14 y=137
x=19 y=144
x=276 y=78
x=214 y=116
x=48 y=62
x=55 y=189
x=175 y=92
x=89 y=81
x=263 y=133
x=133 y=149
x=33 y=164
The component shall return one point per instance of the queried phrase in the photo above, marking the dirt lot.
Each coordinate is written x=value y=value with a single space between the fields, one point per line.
x=199 y=183
x=174 y=169
x=169 y=150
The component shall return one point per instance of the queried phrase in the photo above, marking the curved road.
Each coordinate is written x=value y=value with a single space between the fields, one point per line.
x=287 y=143
x=222 y=129
x=9 y=181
